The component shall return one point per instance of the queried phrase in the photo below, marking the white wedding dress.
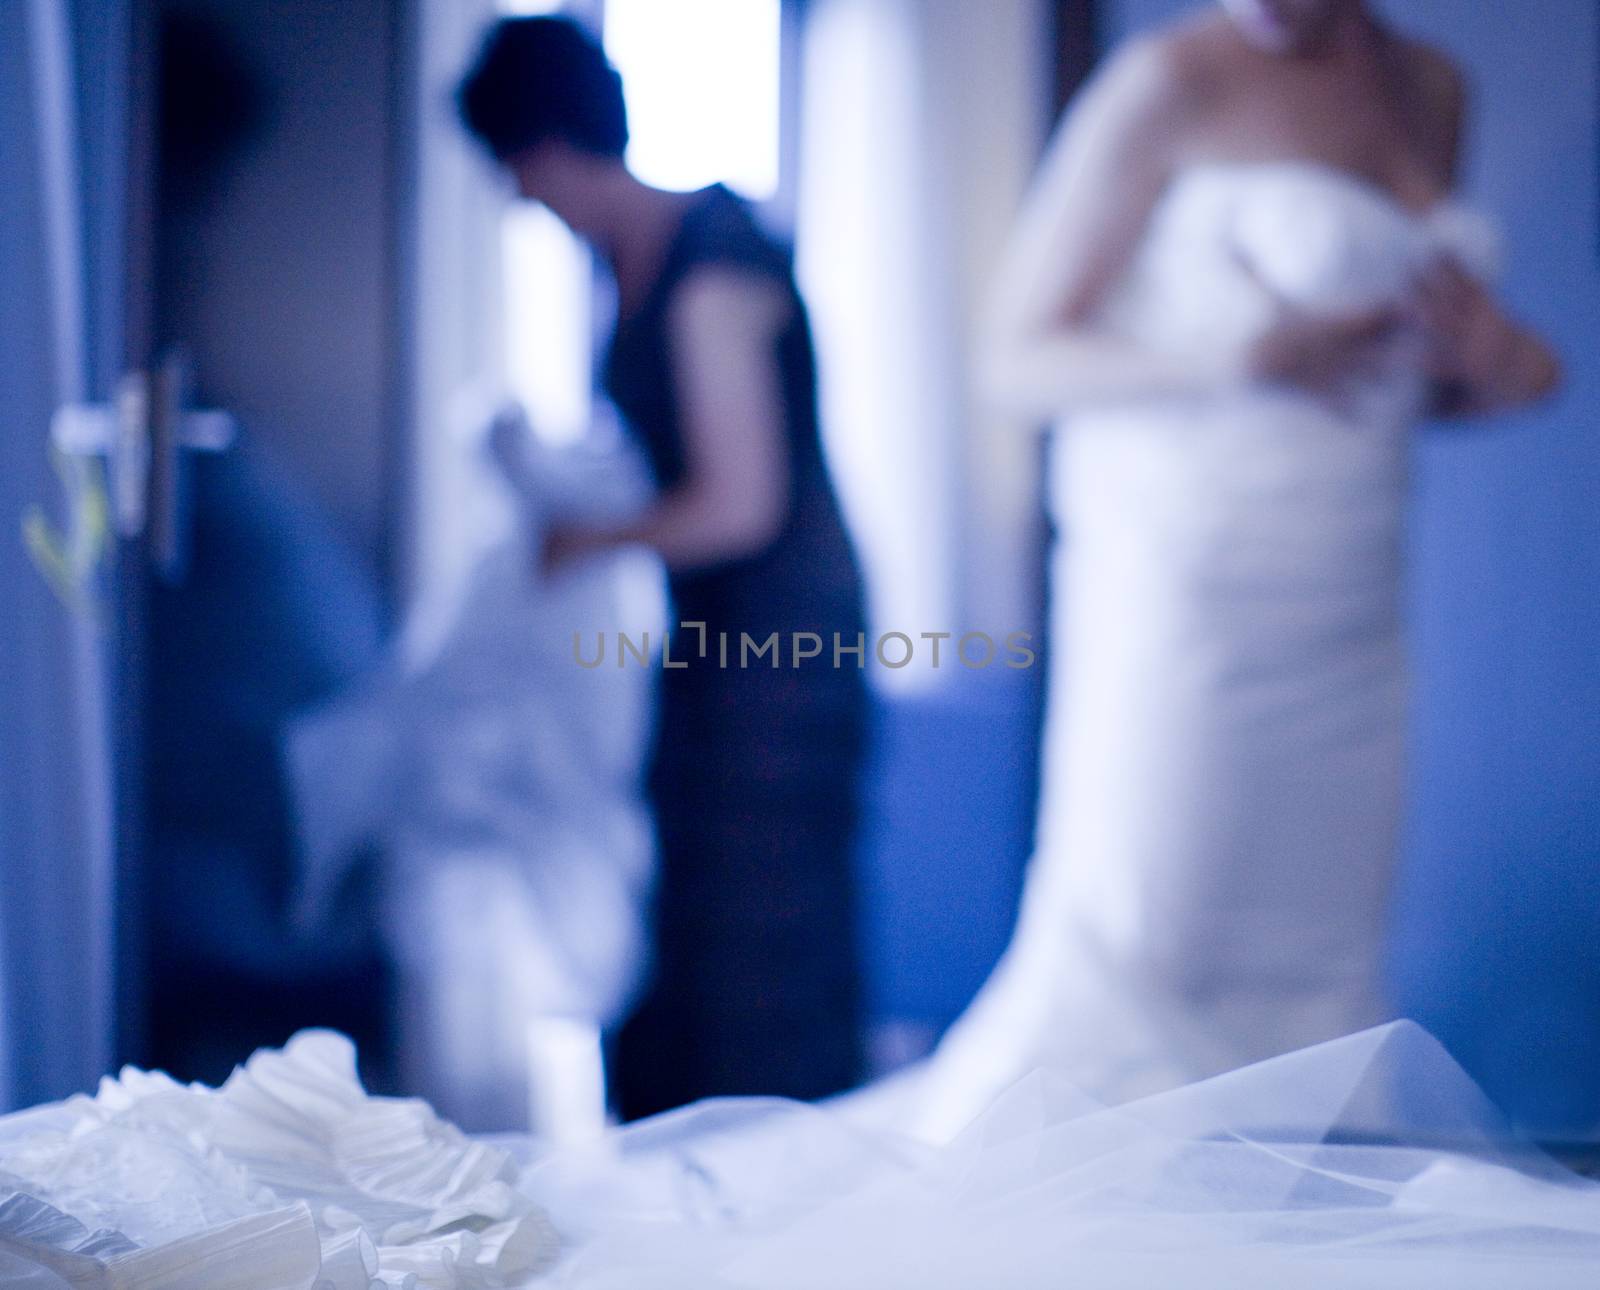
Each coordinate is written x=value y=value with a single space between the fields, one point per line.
x=1223 y=751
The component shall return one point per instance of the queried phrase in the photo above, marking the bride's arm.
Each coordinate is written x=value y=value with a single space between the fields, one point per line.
x=1481 y=360
x=1040 y=353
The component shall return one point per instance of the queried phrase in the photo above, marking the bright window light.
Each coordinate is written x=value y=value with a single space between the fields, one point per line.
x=702 y=83
x=548 y=302
x=861 y=267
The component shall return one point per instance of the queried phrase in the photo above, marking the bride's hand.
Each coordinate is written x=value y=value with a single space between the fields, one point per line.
x=1321 y=354
x=1478 y=357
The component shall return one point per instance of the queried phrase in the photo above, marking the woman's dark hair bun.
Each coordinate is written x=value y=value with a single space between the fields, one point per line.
x=543 y=78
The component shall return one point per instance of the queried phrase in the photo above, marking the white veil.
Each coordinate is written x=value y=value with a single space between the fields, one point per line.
x=1369 y=1161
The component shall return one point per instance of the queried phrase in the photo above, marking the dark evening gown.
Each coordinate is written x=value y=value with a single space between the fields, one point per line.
x=754 y=776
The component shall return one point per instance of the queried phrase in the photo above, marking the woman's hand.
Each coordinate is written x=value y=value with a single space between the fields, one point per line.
x=566 y=545
x=1479 y=359
x=1321 y=354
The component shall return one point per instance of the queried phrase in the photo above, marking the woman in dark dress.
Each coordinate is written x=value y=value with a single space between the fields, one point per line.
x=755 y=988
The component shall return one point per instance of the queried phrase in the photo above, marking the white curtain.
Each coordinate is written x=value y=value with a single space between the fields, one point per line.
x=55 y=820
x=454 y=321
x=921 y=122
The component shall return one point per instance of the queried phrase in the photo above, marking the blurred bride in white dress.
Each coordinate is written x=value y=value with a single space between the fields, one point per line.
x=1239 y=283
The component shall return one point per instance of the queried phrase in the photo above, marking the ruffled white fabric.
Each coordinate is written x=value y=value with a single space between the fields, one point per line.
x=288 y=1177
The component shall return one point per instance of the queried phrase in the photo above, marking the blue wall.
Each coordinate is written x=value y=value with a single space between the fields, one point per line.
x=950 y=797
x=1498 y=926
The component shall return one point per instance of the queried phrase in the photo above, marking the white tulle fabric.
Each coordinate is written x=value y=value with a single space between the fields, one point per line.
x=1223 y=760
x=1368 y=1162
x=1320 y=1169
x=288 y=1177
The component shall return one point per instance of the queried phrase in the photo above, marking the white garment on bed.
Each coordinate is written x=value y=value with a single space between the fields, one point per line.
x=288 y=1177
x=501 y=785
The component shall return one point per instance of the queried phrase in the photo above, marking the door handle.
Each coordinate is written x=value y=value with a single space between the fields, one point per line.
x=143 y=434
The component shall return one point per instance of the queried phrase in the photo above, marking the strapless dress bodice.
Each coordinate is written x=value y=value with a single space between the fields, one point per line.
x=1262 y=478
x=1228 y=244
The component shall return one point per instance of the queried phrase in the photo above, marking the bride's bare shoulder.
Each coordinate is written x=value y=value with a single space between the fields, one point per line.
x=1435 y=94
x=1167 y=71
x=1183 y=64
x=1432 y=72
